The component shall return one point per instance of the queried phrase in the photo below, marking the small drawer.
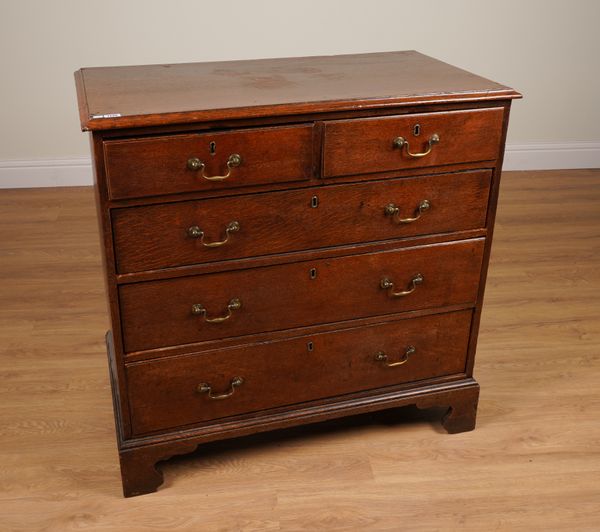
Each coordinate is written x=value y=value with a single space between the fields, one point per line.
x=195 y=162
x=192 y=232
x=196 y=388
x=384 y=144
x=212 y=306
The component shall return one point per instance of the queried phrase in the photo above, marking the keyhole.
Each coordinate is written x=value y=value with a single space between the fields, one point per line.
x=417 y=130
x=310 y=346
x=313 y=273
x=314 y=202
x=212 y=147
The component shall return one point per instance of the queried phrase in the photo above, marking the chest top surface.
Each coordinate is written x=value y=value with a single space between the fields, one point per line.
x=153 y=95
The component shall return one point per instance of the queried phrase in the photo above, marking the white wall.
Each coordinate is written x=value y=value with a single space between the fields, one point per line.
x=548 y=50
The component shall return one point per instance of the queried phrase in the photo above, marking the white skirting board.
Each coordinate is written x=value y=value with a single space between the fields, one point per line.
x=30 y=173
x=77 y=171
x=552 y=156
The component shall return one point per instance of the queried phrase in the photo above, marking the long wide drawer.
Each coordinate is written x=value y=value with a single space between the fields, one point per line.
x=196 y=162
x=229 y=304
x=189 y=232
x=179 y=391
x=411 y=141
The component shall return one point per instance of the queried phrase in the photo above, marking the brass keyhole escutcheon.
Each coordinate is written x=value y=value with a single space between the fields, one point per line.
x=417 y=130
x=212 y=147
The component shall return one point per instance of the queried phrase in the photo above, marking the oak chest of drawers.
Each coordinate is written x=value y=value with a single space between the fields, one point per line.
x=291 y=240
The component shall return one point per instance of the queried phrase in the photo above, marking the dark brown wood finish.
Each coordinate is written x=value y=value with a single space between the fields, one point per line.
x=116 y=358
x=367 y=145
x=488 y=248
x=288 y=119
x=164 y=393
x=153 y=95
x=159 y=313
x=307 y=255
x=268 y=155
x=158 y=236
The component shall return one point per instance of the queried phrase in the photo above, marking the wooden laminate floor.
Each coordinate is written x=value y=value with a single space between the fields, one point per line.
x=533 y=463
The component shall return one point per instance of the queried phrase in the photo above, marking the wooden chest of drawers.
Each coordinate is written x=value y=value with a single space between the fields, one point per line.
x=291 y=240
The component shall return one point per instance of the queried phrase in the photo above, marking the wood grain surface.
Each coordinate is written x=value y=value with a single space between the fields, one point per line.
x=354 y=146
x=157 y=236
x=158 y=314
x=146 y=95
x=158 y=165
x=164 y=393
x=532 y=463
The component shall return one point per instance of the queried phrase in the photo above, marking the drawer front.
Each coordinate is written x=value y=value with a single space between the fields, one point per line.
x=182 y=311
x=191 y=163
x=160 y=236
x=369 y=145
x=173 y=392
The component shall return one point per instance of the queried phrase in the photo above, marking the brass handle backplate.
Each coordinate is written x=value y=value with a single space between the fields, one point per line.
x=196 y=165
x=382 y=357
x=196 y=232
x=401 y=142
x=388 y=285
x=205 y=387
x=392 y=210
x=199 y=310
